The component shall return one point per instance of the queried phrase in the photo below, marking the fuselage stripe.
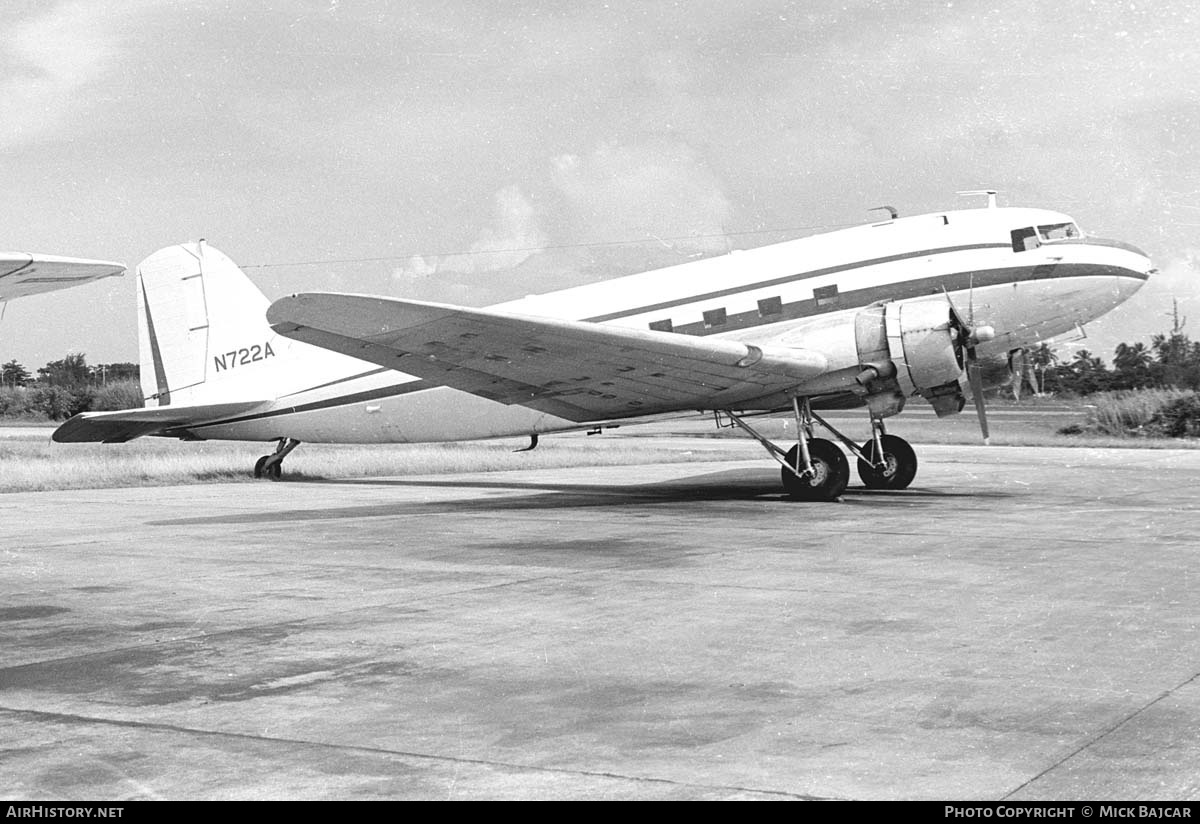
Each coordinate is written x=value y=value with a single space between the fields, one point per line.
x=396 y=389
x=853 y=299
x=367 y=374
x=843 y=267
x=906 y=290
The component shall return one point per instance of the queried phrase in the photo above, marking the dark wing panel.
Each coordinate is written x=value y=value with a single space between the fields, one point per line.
x=127 y=424
x=573 y=369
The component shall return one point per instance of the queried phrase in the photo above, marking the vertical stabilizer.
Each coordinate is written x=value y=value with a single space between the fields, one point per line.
x=202 y=329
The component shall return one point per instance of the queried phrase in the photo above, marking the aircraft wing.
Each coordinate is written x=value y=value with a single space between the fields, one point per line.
x=575 y=370
x=22 y=273
x=127 y=424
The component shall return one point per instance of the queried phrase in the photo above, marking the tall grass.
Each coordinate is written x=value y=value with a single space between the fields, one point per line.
x=1126 y=413
x=28 y=464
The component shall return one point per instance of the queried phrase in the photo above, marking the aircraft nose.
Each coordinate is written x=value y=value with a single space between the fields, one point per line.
x=1134 y=259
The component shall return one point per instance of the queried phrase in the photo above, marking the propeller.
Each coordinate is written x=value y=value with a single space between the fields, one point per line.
x=970 y=336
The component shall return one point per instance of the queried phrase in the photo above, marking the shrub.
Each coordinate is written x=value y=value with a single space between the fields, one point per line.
x=118 y=395
x=17 y=402
x=1179 y=418
x=58 y=402
x=1141 y=412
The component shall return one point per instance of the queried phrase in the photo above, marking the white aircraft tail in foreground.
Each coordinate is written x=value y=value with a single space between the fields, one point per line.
x=25 y=273
x=871 y=316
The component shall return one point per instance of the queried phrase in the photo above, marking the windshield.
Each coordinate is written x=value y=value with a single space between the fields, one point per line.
x=1059 y=231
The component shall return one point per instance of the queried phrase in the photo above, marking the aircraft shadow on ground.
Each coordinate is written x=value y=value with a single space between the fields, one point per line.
x=729 y=486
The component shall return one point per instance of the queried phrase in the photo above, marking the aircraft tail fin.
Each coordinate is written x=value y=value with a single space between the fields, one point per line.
x=203 y=337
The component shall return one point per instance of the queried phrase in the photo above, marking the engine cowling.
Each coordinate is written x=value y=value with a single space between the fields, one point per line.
x=910 y=348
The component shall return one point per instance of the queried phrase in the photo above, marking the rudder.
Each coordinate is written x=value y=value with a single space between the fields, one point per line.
x=201 y=321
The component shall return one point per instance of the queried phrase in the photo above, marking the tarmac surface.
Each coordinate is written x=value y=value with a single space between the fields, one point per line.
x=1021 y=624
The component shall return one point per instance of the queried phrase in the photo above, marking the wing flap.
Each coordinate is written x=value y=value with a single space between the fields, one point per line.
x=573 y=369
x=127 y=424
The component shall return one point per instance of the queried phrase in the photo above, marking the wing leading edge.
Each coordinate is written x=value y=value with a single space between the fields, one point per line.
x=575 y=370
x=23 y=274
x=127 y=424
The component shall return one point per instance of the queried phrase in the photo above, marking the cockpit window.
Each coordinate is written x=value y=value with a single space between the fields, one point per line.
x=1059 y=231
x=1025 y=239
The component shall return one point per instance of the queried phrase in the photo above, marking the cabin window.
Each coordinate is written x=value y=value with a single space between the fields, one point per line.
x=1059 y=231
x=1025 y=239
x=770 y=306
x=826 y=295
x=714 y=317
x=662 y=325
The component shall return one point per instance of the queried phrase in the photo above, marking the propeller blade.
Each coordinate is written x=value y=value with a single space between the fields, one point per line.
x=969 y=336
x=975 y=378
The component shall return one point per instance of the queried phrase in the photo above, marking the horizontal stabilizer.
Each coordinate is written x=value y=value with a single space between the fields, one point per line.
x=127 y=424
x=23 y=274
x=575 y=370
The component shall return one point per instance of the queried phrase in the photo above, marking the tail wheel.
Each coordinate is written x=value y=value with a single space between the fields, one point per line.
x=899 y=464
x=263 y=469
x=831 y=472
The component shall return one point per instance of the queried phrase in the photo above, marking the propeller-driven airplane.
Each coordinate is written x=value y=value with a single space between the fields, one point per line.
x=23 y=273
x=868 y=316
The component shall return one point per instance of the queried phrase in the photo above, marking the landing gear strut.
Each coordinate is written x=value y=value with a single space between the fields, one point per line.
x=812 y=470
x=271 y=466
x=815 y=469
x=886 y=462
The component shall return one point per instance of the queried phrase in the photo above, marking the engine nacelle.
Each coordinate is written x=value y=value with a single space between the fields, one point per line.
x=910 y=348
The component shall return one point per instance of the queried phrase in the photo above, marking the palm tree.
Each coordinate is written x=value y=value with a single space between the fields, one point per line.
x=1043 y=360
x=14 y=374
x=1132 y=364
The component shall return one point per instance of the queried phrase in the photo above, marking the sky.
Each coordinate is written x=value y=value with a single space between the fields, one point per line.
x=474 y=152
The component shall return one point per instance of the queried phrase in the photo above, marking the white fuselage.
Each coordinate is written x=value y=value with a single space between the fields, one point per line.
x=801 y=293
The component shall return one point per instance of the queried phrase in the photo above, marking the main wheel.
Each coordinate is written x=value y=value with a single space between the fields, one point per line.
x=259 y=464
x=831 y=472
x=899 y=464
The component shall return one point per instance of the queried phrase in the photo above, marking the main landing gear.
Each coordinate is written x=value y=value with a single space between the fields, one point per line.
x=816 y=469
x=271 y=466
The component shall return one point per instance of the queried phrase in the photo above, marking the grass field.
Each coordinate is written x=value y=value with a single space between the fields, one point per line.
x=30 y=462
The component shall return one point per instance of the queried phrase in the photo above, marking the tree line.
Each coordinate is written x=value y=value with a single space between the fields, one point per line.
x=66 y=387
x=1171 y=361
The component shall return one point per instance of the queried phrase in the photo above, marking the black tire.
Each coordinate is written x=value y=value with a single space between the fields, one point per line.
x=832 y=472
x=259 y=464
x=274 y=471
x=900 y=469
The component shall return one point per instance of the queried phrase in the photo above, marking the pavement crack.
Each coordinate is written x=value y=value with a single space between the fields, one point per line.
x=1104 y=733
x=72 y=718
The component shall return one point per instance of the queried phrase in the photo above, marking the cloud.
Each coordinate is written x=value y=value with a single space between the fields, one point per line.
x=512 y=238
x=51 y=60
x=659 y=189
